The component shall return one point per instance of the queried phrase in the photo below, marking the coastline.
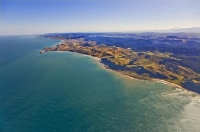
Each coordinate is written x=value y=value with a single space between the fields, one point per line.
x=177 y=87
x=121 y=73
x=99 y=62
x=168 y=83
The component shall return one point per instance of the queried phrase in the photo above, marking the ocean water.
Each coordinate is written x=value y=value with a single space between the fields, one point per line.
x=69 y=92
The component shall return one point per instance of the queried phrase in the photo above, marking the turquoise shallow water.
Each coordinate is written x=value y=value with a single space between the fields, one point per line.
x=63 y=92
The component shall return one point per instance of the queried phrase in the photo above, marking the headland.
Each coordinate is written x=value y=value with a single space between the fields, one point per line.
x=157 y=66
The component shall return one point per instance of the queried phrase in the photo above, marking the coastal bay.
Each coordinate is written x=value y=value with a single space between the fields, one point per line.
x=140 y=65
x=64 y=91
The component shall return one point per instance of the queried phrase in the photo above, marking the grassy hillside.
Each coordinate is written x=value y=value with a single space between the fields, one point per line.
x=138 y=64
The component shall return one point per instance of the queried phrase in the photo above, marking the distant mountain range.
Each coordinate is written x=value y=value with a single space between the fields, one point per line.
x=178 y=30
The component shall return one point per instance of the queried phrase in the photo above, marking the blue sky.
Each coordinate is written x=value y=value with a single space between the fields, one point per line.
x=44 y=16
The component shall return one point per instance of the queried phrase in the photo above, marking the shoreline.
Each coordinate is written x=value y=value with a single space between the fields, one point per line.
x=175 y=86
x=121 y=73
x=168 y=83
x=156 y=80
x=99 y=62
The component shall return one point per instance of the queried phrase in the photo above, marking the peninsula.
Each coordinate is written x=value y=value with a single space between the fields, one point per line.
x=146 y=65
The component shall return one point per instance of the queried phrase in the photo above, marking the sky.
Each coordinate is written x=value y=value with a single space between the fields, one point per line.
x=53 y=16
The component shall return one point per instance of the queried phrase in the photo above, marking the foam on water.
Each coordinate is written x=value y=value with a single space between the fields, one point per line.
x=188 y=120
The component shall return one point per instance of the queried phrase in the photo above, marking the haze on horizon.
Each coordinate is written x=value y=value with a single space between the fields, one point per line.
x=47 y=16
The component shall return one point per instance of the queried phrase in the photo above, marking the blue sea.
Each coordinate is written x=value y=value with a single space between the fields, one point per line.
x=70 y=92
